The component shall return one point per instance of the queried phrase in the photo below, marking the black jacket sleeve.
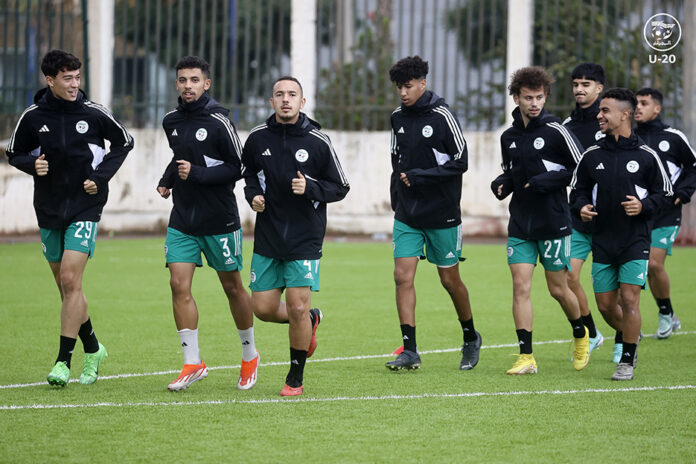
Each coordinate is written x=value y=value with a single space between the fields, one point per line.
x=121 y=143
x=660 y=189
x=505 y=179
x=230 y=170
x=685 y=186
x=333 y=185
x=581 y=188
x=568 y=155
x=22 y=142
x=252 y=186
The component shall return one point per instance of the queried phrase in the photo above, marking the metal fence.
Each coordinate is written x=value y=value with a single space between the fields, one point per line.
x=28 y=30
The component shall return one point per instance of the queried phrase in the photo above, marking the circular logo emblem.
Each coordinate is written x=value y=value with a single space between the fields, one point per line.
x=598 y=135
x=632 y=166
x=662 y=32
x=539 y=143
x=201 y=134
x=427 y=132
x=301 y=155
x=253 y=276
x=510 y=251
x=81 y=127
x=664 y=145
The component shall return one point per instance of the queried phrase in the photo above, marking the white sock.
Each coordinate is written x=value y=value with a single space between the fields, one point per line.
x=189 y=342
x=248 y=345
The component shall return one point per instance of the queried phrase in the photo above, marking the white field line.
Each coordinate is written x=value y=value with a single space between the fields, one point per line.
x=285 y=363
x=12 y=407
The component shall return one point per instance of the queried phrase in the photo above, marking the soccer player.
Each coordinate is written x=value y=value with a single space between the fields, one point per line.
x=618 y=184
x=201 y=178
x=679 y=160
x=291 y=172
x=429 y=156
x=60 y=141
x=588 y=82
x=539 y=155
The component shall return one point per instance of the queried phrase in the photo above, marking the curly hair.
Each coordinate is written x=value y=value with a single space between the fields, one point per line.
x=56 y=61
x=531 y=77
x=411 y=67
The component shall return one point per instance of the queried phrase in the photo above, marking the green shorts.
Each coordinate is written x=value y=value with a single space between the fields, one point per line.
x=580 y=245
x=442 y=247
x=554 y=254
x=664 y=237
x=606 y=277
x=269 y=273
x=79 y=236
x=223 y=252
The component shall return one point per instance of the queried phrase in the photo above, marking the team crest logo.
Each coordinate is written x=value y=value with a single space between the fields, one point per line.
x=301 y=155
x=252 y=277
x=632 y=166
x=510 y=251
x=662 y=32
x=539 y=143
x=427 y=132
x=664 y=145
x=201 y=134
x=598 y=135
x=81 y=127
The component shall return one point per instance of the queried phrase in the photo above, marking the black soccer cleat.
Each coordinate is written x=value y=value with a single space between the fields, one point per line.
x=470 y=353
x=406 y=360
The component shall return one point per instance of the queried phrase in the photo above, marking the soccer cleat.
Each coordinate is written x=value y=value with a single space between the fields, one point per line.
x=596 y=342
x=525 y=364
x=406 y=360
x=581 y=351
x=618 y=351
x=318 y=315
x=291 y=391
x=90 y=370
x=470 y=353
x=624 y=371
x=59 y=375
x=189 y=374
x=247 y=375
x=666 y=325
x=398 y=351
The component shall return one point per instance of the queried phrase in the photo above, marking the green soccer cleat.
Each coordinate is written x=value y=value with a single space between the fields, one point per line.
x=59 y=375
x=90 y=371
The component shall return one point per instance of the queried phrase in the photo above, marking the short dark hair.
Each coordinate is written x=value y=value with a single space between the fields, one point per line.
x=621 y=94
x=532 y=77
x=653 y=93
x=56 y=61
x=591 y=71
x=289 y=78
x=406 y=69
x=193 y=62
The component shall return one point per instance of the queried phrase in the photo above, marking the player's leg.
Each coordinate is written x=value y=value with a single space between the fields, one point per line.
x=523 y=316
x=630 y=296
x=658 y=279
x=298 y=300
x=596 y=338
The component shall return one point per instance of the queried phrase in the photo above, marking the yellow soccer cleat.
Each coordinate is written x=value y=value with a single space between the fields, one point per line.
x=581 y=351
x=525 y=364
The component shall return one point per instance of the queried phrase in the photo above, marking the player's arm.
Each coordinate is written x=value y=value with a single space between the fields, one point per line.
x=333 y=184
x=685 y=186
x=455 y=148
x=581 y=186
x=503 y=185
x=229 y=168
x=561 y=163
x=22 y=150
x=121 y=143
x=660 y=192
x=394 y=178
x=250 y=172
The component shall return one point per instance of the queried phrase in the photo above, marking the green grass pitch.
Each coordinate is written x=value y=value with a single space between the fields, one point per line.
x=353 y=408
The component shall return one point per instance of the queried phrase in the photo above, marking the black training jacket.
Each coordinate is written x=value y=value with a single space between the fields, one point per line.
x=543 y=155
x=583 y=123
x=292 y=226
x=428 y=146
x=204 y=203
x=607 y=172
x=71 y=135
x=678 y=159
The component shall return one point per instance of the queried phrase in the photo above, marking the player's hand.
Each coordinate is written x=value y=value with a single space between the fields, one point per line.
x=184 y=169
x=677 y=201
x=258 y=204
x=164 y=192
x=404 y=179
x=41 y=165
x=526 y=185
x=500 y=190
x=633 y=206
x=90 y=187
x=586 y=213
x=299 y=184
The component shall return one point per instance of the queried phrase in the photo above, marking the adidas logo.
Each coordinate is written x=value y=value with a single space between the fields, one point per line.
x=512 y=145
x=44 y=129
x=663 y=240
x=308 y=276
x=295 y=361
x=521 y=342
x=558 y=262
x=405 y=337
x=184 y=344
x=450 y=255
x=640 y=276
x=401 y=130
x=229 y=261
x=266 y=152
x=84 y=243
x=174 y=133
x=246 y=342
x=600 y=166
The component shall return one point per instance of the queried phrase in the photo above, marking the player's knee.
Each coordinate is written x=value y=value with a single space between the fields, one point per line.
x=263 y=312
x=450 y=283
x=655 y=267
x=557 y=292
x=70 y=281
x=179 y=286
x=297 y=311
x=402 y=278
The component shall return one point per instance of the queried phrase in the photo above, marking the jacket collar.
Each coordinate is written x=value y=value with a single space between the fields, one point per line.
x=583 y=114
x=534 y=123
x=195 y=106
x=632 y=142
x=44 y=98
x=302 y=126
x=654 y=125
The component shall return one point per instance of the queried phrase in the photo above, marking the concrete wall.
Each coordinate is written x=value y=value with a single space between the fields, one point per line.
x=135 y=206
